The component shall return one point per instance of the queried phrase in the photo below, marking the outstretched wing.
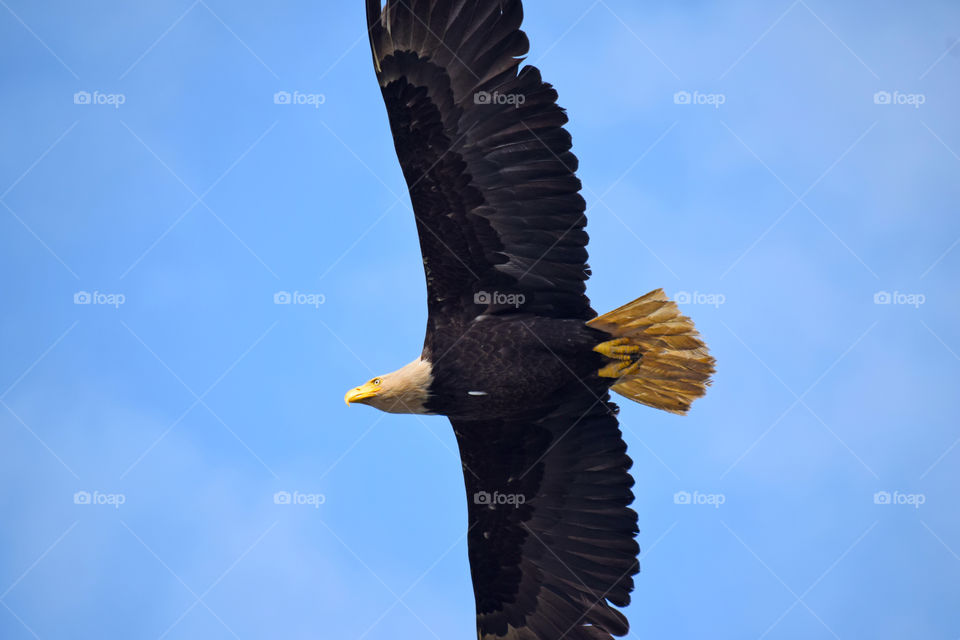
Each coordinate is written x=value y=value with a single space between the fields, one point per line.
x=486 y=159
x=551 y=538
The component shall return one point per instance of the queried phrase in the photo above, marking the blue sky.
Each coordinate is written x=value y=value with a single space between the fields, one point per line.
x=786 y=203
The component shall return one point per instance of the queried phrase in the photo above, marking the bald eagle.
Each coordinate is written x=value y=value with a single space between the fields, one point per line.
x=514 y=355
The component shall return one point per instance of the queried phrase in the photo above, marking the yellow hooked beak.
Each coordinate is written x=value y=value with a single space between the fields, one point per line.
x=361 y=393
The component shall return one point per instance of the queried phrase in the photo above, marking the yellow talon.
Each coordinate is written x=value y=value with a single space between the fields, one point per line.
x=625 y=355
x=615 y=369
x=619 y=349
x=630 y=370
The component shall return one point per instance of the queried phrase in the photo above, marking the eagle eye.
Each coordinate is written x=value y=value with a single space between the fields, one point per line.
x=376 y=381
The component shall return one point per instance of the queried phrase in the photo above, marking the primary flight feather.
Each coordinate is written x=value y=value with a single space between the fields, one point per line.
x=514 y=355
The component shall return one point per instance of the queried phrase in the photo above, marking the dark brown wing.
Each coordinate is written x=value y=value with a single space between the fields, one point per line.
x=551 y=538
x=485 y=157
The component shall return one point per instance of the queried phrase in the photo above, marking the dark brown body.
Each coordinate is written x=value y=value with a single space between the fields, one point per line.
x=511 y=364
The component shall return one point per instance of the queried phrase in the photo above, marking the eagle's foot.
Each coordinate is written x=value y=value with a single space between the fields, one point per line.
x=619 y=369
x=620 y=349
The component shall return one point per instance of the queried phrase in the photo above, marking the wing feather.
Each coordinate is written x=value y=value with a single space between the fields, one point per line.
x=551 y=541
x=486 y=158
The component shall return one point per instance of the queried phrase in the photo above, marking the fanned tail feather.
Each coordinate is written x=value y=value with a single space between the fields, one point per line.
x=673 y=367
